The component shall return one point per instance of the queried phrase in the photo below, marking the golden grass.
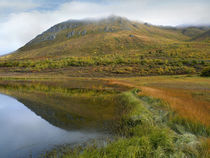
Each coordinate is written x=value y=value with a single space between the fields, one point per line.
x=182 y=102
x=188 y=96
x=178 y=91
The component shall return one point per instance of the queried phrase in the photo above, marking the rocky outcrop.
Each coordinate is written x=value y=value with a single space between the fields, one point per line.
x=70 y=34
x=73 y=33
x=108 y=29
x=84 y=32
x=51 y=37
x=43 y=37
x=61 y=27
x=78 y=28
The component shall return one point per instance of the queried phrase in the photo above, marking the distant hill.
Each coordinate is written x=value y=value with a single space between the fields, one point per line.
x=203 y=37
x=194 y=31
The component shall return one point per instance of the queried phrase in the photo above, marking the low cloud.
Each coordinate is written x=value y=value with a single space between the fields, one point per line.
x=19 y=28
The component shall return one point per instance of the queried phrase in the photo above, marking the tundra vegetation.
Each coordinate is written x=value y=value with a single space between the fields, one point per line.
x=156 y=116
x=205 y=72
x=147 y=128
x=112 y=46
x=152 y=116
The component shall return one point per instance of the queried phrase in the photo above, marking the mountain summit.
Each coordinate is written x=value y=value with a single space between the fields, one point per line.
x=90 y=37
x=76 y=28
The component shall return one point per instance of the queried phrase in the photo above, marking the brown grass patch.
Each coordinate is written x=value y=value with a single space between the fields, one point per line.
x=182 y=102
x=188 y=96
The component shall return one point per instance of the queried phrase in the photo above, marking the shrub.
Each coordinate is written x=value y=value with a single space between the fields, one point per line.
x=206 y=72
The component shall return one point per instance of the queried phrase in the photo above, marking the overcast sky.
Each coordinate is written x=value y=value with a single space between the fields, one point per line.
x=22 y=20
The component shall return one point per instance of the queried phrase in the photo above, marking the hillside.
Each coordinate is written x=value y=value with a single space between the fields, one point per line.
x=85 y=37
x=194 y=31
x=112 y=45
x=203 y=37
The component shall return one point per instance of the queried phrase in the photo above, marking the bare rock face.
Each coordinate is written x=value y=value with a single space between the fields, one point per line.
x=62 y=26
x=108 y=29
x=43 y=37
x=56 y=29
x=70 y=34
x=73 y=33
x=78 y=28
x=84 y=32
x=51 y=37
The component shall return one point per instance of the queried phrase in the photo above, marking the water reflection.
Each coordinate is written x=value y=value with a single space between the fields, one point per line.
x=22 y=131
x=44 y=115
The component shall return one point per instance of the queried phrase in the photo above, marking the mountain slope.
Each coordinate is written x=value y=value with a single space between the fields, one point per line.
x=194 y=31
x=89 y=37
x=203 y=37
x=112 y=46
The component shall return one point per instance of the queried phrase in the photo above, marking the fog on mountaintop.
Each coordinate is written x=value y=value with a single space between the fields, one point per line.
x=24 y=22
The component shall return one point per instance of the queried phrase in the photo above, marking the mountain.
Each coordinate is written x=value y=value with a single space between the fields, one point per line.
x=113 y=45
x=104 y=36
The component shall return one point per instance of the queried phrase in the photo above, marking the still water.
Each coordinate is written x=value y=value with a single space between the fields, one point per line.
x=23 y=132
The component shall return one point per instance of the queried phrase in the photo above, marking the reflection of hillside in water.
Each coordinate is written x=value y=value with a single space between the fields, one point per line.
x=64 y=106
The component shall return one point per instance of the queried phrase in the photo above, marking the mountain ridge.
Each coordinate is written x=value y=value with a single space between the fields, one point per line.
x=109 y=31
x=112 y=46
x=105 y=36
x=74 y=24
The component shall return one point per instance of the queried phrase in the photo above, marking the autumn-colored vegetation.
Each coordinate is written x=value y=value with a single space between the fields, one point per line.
x=127 y=47
x=163 y=116
x=116 y=64
x=149 y=121
x=205 y=72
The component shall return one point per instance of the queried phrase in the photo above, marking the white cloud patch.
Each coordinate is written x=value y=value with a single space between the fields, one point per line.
x=17 y=4
x=22 y=27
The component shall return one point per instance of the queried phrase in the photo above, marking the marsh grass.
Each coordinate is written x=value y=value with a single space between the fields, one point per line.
x=143 y=131
x=142 y=126
x=185 y=104
x=174 y=120
x=179 y=124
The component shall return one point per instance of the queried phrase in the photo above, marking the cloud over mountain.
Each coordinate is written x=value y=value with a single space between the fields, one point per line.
x=30 y=18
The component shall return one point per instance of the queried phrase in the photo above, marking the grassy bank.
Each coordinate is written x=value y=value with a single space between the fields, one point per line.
x=189 y=96
x=147 y=128
x=175 y=125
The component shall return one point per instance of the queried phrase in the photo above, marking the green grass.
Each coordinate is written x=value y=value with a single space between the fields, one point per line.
x=144 y=131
